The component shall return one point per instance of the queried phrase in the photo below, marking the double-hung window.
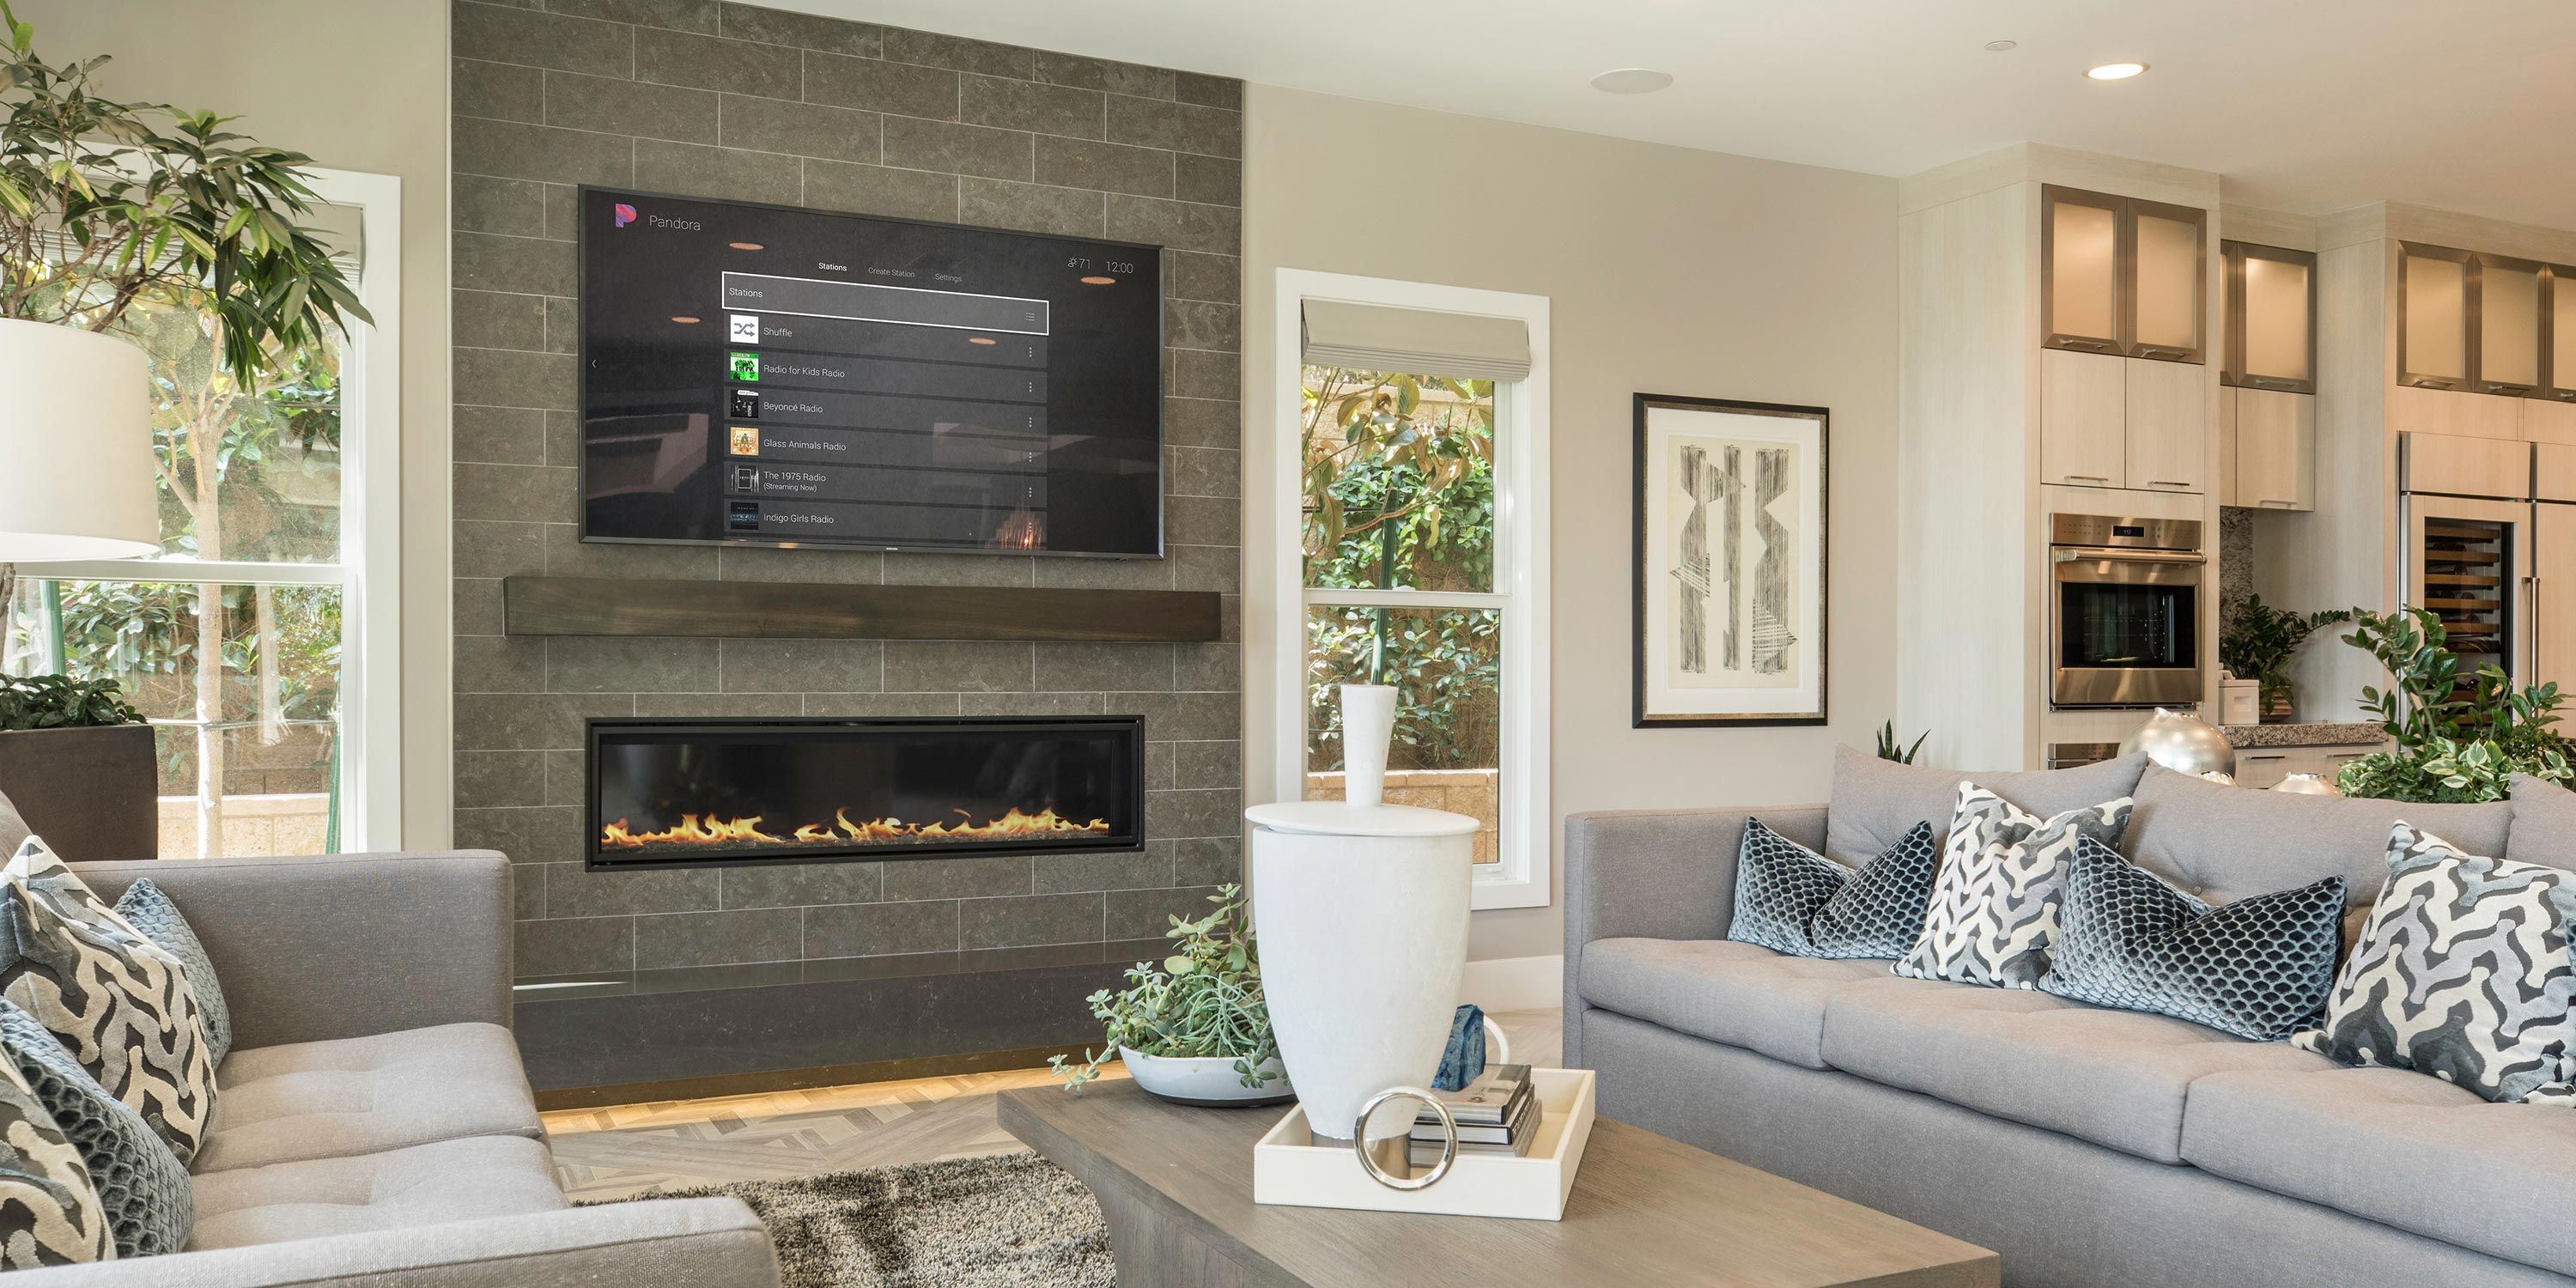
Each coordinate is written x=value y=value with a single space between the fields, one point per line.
x=262 y=641
x=1417 y=498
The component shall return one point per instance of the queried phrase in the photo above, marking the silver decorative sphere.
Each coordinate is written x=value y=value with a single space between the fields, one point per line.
x=2308 y=785
x=2182 y=743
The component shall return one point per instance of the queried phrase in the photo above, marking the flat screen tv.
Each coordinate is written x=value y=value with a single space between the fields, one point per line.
x=760 y=375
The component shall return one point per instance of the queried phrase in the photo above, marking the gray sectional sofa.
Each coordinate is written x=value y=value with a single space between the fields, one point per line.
x=372 y=1125
x=2087 y=1146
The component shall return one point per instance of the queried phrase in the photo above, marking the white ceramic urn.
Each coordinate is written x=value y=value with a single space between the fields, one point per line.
x=1362 y=911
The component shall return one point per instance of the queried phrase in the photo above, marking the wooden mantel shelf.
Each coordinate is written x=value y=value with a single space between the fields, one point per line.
x=805 y=610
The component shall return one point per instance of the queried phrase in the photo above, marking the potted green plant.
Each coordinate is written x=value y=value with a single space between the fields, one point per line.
x=1196 y=1028
x=77 y=763
x=2259 y=642
x=2460 y=733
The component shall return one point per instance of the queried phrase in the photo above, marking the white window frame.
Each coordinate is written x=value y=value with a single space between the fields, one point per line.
x=1520 y=879
x=369 y=572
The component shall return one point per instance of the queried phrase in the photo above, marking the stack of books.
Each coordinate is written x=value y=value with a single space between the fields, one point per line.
x=1497 y=1113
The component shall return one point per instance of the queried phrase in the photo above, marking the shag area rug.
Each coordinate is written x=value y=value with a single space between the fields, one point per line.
x=1008 y=1221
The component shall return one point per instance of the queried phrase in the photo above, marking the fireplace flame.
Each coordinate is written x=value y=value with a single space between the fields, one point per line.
x=708 y=830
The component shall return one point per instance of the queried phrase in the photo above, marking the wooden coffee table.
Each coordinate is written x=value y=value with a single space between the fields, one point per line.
x=1176 y=1185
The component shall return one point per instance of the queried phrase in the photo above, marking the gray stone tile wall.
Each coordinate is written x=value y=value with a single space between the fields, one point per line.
x=700 y=98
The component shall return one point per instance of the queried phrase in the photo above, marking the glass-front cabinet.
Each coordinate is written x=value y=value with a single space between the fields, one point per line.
x=2271 y=318
x=2433 y=311
x=2123 y=275
x=2080 y=249
x=2510 y=324
x=2168 y=281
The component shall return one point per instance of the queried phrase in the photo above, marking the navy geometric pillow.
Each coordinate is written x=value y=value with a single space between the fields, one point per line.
x=1793 y=900
x=2259 y=968
x=150 y=1203
x=148 y=909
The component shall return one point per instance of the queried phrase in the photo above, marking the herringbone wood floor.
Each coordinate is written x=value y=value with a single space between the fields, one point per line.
x=627 y=1150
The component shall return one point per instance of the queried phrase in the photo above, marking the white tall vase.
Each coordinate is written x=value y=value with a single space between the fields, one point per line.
x=1362 y=911
x=1368 y=721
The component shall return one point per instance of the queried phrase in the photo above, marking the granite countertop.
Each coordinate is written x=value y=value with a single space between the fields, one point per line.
x=2350 y=734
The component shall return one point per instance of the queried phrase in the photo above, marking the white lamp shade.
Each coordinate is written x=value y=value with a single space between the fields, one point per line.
x=75 y=446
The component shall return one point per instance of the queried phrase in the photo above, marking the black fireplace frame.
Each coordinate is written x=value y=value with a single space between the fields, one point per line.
x=595 y=726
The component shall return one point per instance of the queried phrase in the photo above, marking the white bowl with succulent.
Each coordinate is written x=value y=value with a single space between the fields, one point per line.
x=1195 y=1029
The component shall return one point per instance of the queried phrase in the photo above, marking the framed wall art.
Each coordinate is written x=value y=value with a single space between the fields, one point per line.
x=1730 y=563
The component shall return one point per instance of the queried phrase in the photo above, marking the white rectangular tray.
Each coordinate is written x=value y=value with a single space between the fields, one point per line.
x=1287 y=1170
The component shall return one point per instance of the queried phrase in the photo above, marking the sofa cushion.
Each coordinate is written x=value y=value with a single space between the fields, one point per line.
x=146 y=908
x=2226 y=843
x=51 y=1213
x=453 y=1180
x=1995 y=905
x=365 y=1095
x=1793 y=899
x=2463 y=973
x=1742 y=995
x=119 y=1002
x=2544 y=824
x=2398 y=1148
x=1877 y=801
x=2115 y=1078
x=2259 y=968
x=142 y=1185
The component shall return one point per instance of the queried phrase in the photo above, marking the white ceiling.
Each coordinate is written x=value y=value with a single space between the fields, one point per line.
x=2311 y=105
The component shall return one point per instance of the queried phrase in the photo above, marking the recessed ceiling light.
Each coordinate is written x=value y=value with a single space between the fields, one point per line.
x=1631 y=80
x=1999 y=46
x=2117 y=71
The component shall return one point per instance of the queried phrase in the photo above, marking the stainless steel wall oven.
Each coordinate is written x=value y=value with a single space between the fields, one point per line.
x=2124 y=611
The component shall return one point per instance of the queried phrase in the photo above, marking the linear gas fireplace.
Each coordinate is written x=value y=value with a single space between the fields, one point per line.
x=691 y=792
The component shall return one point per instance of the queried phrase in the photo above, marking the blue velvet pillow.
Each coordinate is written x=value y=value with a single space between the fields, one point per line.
x=144 y=1187
x=150 y=911
x=1791 y=899
x=2259 y=968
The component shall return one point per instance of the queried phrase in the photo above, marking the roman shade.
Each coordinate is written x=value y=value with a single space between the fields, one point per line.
x=1377 y=337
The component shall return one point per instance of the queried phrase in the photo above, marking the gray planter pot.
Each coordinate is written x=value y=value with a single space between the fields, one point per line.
x=93 y=794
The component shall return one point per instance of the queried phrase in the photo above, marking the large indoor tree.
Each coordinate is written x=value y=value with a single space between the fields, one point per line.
x=164 y=227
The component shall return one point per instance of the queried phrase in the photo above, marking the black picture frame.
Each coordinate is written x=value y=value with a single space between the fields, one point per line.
x=1642 y=569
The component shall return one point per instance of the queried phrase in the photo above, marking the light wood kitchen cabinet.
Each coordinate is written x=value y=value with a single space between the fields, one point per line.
x=2080 y=255
x=2168 y=286
x=2553 y=478
x=2259 y=768
x=2166 y=426
x=2559 y=381
x=2083 y=411
x=2271 y=309
x=2509 y=325
x=2454 y=466
x=2123 y=275
x=2551 y=599
x=2433 y=311
x=2273 y=449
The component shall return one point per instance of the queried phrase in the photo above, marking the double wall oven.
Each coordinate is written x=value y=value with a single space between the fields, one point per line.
x=2124 y=611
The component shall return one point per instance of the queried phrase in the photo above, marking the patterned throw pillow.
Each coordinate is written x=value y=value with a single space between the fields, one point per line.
x=118 y=1001
x=50 y=1212
x=1791 y=899
x=150 y=1203
x=1994 y=908
x=2462 y=972
x=2259 y=968
x=146 y=908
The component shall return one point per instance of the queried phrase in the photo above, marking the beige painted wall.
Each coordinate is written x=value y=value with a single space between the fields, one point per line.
x=1668 y=271
x=359 y=85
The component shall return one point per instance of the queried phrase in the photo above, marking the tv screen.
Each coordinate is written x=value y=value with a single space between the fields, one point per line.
x=758 y=375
